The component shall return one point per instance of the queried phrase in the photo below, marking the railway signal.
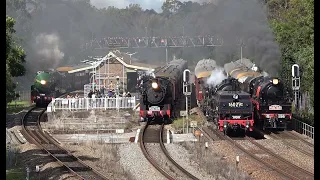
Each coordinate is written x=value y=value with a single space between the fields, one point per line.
x=296 y=84
x=186 y=91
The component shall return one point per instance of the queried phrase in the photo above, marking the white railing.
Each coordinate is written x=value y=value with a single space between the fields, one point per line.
x=303 y=128
x=90 y=103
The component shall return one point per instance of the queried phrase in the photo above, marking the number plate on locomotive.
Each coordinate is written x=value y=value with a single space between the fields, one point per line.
x=154 y=108
x=275 y=107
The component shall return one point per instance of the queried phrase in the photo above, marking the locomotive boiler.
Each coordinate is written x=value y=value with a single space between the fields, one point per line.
x=162 y=92
x=271 y=99
x=203 y=71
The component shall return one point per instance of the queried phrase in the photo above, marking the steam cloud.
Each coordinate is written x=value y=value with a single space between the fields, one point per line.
x=246 y=19
x=217 y=76
x=48 y=49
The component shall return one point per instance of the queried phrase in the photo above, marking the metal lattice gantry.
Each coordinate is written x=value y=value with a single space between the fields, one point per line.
x=154 y=42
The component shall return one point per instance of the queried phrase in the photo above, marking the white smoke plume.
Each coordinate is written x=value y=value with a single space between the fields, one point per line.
x=217 y=76
x=150 y=73
x=265 y=74
x=48 y=49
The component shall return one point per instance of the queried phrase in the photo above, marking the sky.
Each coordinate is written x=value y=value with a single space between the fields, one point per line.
x=145 y=4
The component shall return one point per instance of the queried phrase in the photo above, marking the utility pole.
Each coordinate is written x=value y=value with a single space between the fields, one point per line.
x=182 y=31
x=241 y=44
x=166 y=55
x=146 y=31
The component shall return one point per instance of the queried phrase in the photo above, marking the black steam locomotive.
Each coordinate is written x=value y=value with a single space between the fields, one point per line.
x=271 y=99
x=161 y=93
x=229 y=107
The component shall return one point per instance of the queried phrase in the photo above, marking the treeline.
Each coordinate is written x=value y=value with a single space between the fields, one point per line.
x=293 y=24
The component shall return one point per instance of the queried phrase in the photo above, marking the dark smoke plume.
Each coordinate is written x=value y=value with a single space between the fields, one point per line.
x=234 y=20
x=48 y=50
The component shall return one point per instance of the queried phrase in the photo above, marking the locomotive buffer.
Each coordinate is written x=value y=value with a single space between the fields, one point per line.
x=187 y=92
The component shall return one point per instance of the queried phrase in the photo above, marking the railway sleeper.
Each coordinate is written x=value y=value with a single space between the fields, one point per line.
x=57 y=151
x=42 y=139
x=66 y=158
x=83 y=168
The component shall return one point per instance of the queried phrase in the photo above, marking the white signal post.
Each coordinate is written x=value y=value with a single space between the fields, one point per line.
x=186 y=92
x=296 y=84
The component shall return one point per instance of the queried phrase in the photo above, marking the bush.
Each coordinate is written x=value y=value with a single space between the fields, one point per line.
x=306 y=117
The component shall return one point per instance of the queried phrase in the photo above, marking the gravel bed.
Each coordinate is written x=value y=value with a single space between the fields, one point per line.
x=183 y=158
x=310 y=140
x=133 y=161
x=302 y=145
x=290 y=154
x=103 y=157
x=247 y=145
x=219 y=158
x=156 y=153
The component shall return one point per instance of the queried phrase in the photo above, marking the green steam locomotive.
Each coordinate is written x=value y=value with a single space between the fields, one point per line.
x=50 y=84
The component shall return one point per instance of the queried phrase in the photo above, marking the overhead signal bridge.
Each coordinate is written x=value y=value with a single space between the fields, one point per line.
x=154 y=42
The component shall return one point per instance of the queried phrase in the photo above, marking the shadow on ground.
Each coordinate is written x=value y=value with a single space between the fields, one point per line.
x=52 y=171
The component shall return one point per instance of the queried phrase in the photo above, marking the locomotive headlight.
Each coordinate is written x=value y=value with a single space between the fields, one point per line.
x=225 y=124
x=235 y=96
x=275 y=81
x=154 y=85
x=43 y=82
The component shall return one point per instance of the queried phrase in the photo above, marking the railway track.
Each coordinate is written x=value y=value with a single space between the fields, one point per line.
x=289 y=133
x=33 y=132
x=292 y=145
x=174 y=167
x=274 y=161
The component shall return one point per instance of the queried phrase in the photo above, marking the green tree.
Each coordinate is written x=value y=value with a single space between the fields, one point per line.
x=293 y=25
x=15 y=57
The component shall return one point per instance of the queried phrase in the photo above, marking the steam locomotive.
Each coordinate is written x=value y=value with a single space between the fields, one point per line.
x=224 y=104
x=162 y=92
x=50 y=84
x=271 y=99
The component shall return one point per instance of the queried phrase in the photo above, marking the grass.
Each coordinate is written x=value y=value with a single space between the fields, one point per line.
x=178 y=123
x=19 y=103
x=17 y=106
x=11 y=110
x=15 y=174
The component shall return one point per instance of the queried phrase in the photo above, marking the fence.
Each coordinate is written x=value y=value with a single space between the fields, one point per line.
x=303 y=128
x=92 y=103
x=24 y=95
